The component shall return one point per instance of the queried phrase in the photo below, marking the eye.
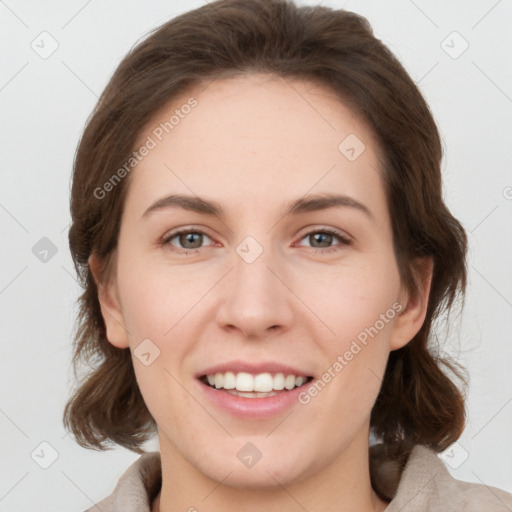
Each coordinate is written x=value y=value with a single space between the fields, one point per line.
x=188 y=240
x=191 y=240
x=322 y=239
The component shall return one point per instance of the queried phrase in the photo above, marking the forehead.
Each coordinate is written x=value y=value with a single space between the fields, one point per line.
x=260 y=105
x=258 y=136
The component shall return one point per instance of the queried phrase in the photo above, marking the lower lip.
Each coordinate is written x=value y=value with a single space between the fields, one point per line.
x=252 y=408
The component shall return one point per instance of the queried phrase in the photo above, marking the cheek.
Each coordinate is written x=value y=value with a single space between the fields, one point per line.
x=358 y=304
x=352 y=298
x=156 y=298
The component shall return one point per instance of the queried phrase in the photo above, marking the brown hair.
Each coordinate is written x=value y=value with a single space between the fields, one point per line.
x=418 y=403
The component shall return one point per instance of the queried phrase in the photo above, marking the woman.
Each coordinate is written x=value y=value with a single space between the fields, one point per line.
x=259 y=227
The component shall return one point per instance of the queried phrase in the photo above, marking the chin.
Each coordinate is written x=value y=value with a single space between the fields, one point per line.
x=255 y=479
x=268 y=473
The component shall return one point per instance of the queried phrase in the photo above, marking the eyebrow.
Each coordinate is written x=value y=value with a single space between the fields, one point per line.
x=309 y=203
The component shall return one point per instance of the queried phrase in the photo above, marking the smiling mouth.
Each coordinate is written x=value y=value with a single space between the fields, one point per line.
x=246 y=385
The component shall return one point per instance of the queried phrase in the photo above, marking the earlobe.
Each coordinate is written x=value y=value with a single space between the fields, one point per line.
x=110 y=305
x=412 y=316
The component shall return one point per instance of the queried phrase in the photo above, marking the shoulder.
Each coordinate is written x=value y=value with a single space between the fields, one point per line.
x=426 y=485
x=136 y=487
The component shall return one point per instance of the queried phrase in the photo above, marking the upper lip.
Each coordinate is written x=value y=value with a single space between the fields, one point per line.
x=253 y=368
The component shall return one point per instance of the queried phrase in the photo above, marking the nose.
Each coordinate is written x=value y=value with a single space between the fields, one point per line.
x=257 y=300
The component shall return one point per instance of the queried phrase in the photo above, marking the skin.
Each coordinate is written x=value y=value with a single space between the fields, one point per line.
x=254 y=144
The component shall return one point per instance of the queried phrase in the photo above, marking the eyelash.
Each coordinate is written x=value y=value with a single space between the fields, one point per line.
x=344 y=241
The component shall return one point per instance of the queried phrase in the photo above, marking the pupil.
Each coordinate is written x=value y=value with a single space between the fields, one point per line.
x=326 y=237
x=189 y=237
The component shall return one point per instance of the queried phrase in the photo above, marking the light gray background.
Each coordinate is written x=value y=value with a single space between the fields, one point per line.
x=45 y=103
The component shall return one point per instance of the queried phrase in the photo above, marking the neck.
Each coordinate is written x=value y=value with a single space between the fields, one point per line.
x=343 y=485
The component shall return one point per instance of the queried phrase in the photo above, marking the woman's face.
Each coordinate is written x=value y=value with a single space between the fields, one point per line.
x=271 y=279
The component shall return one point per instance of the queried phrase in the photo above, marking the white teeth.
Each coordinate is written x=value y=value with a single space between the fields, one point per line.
x=289 y=382
x=251 y=395
x=244 y=382
x=263 y=383
x=279 y=381
x=229 y=380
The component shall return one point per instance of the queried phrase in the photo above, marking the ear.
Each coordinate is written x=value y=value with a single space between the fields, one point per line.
x=111 y=309
x=411 y=317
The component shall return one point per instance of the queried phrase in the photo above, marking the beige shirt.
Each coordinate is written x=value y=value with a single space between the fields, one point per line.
x=424 y=485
